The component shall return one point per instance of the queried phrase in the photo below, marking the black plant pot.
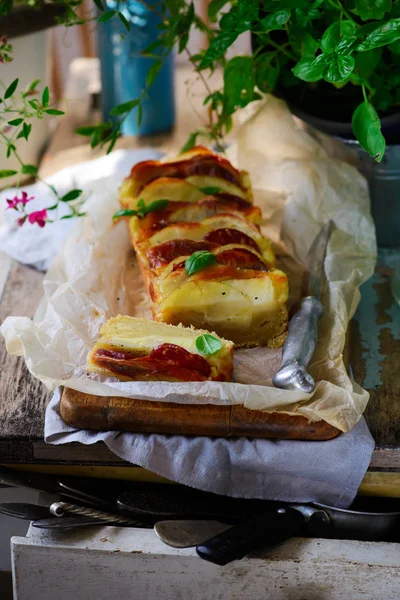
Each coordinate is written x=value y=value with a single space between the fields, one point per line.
x=24 y=20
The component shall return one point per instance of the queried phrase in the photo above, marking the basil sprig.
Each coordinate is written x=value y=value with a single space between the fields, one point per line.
x=199 y=260
x=142 y=209
x=208 y=344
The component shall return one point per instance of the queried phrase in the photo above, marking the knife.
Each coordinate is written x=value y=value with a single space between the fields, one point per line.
x=302 y=336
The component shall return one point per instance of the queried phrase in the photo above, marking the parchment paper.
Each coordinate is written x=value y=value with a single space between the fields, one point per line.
x=298 y=187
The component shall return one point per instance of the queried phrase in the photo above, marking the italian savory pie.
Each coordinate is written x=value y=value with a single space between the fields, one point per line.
x=203 y=258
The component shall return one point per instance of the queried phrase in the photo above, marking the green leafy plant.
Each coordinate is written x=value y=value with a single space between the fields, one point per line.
x=351 y=45
x=300 y=46
x=18 y=109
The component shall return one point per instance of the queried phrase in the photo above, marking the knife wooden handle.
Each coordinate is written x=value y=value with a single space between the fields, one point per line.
x=299 y=347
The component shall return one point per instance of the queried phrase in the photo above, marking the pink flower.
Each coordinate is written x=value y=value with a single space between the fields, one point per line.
x=13 y=203
x=21 y=220
x=39 y=217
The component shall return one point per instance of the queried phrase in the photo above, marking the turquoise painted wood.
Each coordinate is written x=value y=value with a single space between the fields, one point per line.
x=375 y=349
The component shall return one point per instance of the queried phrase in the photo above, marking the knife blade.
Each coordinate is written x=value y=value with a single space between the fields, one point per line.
x=302 y=336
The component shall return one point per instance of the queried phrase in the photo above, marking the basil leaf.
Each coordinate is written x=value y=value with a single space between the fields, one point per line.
x=199 y=260
x=86 y=130
x=238 y=83
x=394 y=47
x=340 y=33
x=367 y=129
x=381 y=35
x=210 y=191
x=72 y=195
x=309 y=46
x=11 y=89
x=125 y=212
x=311 y=69
x=340 y=68
x=372 y=9
x=208 y=344
x=366 y=62
x=275 y=21
x=143 y=210
x=125 y=107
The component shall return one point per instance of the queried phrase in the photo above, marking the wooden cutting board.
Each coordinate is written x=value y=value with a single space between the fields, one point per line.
x=85 y=411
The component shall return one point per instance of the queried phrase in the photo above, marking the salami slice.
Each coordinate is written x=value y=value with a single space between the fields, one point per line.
x=163 y=254
x=226 y=236
x=167 y=360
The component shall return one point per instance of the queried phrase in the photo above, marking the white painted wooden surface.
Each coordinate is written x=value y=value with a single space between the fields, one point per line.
x=107 y=563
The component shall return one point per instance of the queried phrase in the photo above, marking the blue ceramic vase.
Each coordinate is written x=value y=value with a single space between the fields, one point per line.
x=124 y=70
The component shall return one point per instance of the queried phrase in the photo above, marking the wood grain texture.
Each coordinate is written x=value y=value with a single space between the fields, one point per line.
x=23 y=399
x=133 y=564
x=85 y=411
x=375 y=352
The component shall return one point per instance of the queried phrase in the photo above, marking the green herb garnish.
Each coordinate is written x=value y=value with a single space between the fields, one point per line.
x=210 y=191
x=142 y=209
x=208 y=344
x=199 y=260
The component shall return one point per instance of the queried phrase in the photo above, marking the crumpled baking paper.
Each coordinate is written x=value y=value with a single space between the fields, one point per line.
x=299 y=186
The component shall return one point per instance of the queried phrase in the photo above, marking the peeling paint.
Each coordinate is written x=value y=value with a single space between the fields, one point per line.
x=367 y=317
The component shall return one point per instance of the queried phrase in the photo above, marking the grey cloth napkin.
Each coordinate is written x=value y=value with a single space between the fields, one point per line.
x=292 y=471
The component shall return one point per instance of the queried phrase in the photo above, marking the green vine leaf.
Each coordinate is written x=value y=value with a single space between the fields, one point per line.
x=191 y=142
x=208 y=344
x=15 y=122
x=239 y=83
x=45 y=97
x=54 y=111
x=199 y=260
x=72 y=195
x=214 y=7
x=367 y=129
x=29 y=169
x=124 y=21
x=153 y=72
x=217 y=48
x=107 y=16
x=267 y=71
x=11 y=89
x=126 y=107
x=7 y=173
